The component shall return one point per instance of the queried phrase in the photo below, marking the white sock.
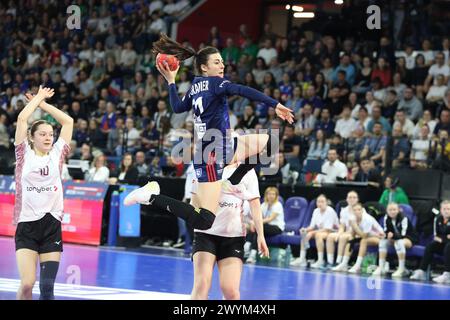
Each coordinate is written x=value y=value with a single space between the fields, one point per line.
x=253 y=253
x=359 y=262
x=320 y=257
x=302 y=254
x=339 y=259
x=381 y=263
x=401 y=264
x=330 y=258
x=345 y=260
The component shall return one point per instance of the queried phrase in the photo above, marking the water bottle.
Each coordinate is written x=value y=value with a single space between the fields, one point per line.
x=287 y=256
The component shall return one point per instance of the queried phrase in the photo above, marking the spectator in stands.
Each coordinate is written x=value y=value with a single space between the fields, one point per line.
x=259 y=70
x=375 y=145
x=439 y=245
x=321 y=86
x=141 y=166
x=115 y=136
x=77 y=112
x=99 y=172
x=420 y=149
x=440 y=151
x=295 y=102
x=405 y=123
x=324 y=221
x=273 y=220
x=366 y=172
x=306 y=121
x=346 y=124
x=81 y=133
x=230 y=53
x=427 y=119
x=85 y=153
x=383 y=72
x=267 y=52
x=333 y=169
x=393 y=192
x=379 y=92
x=313 y=100
x=378 y=118
x=436 y=94
x=390 y=105
x=400 y=148
x=428 y=52
x=334 y=103
x=318 y=149
x=366 y=231
x=350 y=71
x=249 y=119
x=355 y=144
x=399 y=232
x=343 y=232
x=127 y=173
x=397 y=85
x=325 y=123
x=363 y=77
x=419 y=75
x=412 y=106
x=436 y=69
x=444 y=122
x=4 y=134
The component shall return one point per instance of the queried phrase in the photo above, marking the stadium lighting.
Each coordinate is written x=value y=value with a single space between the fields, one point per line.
x=304 y=15
x=288 y=7
x=297 y=8
x=339 y=1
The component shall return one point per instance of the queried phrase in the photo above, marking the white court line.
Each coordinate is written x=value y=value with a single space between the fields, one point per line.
x=95 y=293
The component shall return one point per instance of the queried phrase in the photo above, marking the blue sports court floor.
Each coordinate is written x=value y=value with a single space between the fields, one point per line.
x=109 y=274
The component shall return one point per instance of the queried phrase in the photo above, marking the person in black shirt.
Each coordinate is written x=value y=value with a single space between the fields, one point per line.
x=334 y=102
x=439 y=245
x=249 y=119
x=343 y=86
x=290 y=146
x=365 y=173
x=400 y=233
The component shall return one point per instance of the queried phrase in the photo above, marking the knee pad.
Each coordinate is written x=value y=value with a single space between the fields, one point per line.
x=203 y=219
x=400 y=246
x=382 y=247
x=49 y=269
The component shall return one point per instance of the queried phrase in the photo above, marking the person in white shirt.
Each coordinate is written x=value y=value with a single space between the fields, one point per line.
x=420 y=148
x=223 y=243
x=346 y=124
x=99 y=171
x=267 y=52
x=436 y=93
x=332 y=169
x=427 y=119
x=438 y=68
x=324 y=221
x=366 y=231
x=39 y=204
x=273 y=220
x=344 y=233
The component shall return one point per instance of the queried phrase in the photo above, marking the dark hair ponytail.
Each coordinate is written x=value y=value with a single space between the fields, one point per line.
x=168 y=46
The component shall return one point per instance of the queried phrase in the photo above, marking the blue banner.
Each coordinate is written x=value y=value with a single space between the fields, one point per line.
x=129 y=216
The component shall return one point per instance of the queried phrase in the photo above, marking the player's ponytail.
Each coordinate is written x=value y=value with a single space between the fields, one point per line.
x=169 y=46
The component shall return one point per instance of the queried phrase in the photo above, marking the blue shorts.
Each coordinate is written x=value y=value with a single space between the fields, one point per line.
x=212 y=170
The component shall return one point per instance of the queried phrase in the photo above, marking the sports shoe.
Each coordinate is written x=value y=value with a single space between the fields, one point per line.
x=251 y=259
x=443 y=278
x=340 y=268
x=142 y=195
x=297 y=262
x=399 y=273
x=379 y=272
x=355 y=270
x=318 y=265
x=418 y=275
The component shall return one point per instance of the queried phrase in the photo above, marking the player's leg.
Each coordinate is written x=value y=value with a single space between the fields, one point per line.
x=49 y=263
x=331 y=247
x=26 y=263
x=204 y=257
x=230 y=271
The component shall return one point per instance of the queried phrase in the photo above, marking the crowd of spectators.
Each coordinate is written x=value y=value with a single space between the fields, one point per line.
x=350 y=103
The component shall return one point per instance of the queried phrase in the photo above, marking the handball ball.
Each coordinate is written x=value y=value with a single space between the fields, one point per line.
x=172 y=61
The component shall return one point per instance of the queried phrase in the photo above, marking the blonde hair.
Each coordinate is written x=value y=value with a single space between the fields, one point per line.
x=271 y=189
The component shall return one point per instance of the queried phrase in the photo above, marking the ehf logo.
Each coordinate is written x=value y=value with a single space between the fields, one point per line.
x=198 y=172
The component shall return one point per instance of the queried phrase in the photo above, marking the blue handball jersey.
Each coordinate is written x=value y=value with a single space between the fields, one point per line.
x=207 y=96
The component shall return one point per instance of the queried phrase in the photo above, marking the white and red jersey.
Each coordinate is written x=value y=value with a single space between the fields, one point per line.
x=229 y=220
x=38 y=182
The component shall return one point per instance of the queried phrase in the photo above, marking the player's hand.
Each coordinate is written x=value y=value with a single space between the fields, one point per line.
x=262 y=247
x=284 y=113
x=46 y=93
x=169 y=75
